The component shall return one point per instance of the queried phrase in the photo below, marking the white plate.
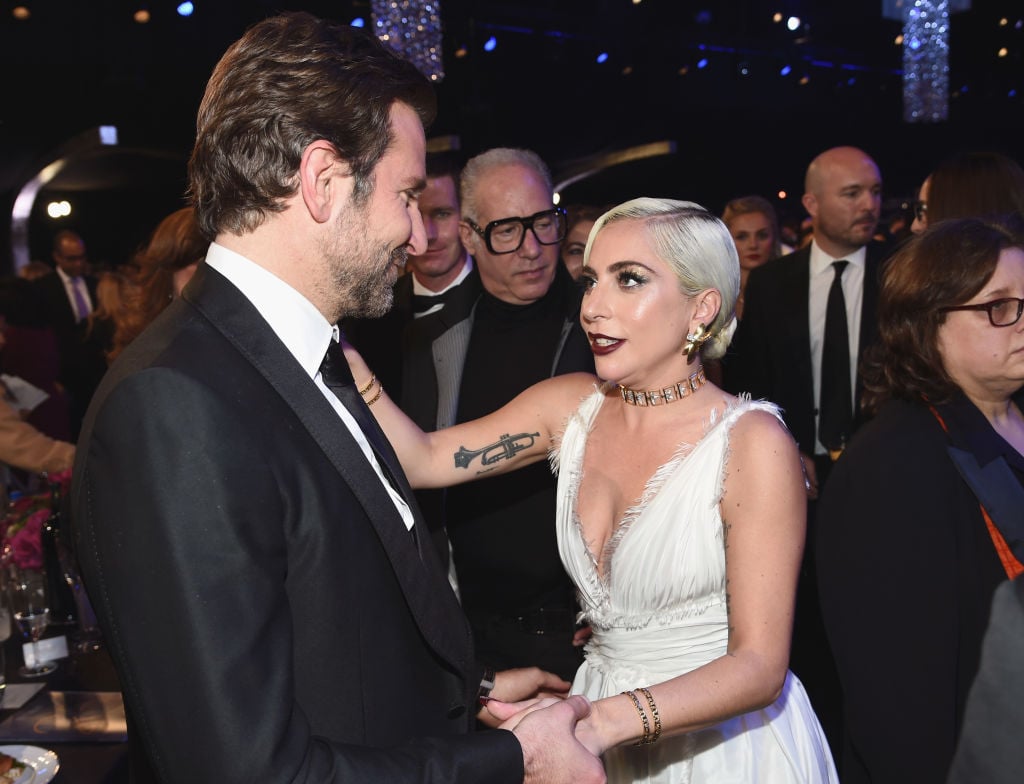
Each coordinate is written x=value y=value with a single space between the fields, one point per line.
x=42 y=763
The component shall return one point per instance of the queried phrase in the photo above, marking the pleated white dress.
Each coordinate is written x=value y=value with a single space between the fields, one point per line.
x=660 y=612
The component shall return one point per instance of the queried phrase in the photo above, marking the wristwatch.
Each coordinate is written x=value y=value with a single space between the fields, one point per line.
x=486 y=684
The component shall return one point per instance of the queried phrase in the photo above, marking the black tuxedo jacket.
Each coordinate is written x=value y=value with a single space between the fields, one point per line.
x=270 y=616
x=384 y=342
x=770 y=355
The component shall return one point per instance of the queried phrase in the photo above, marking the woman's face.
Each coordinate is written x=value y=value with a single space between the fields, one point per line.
x=921 y=208
x=752 y=232
x=987 y=362
x=634 y=312
x=574 y=245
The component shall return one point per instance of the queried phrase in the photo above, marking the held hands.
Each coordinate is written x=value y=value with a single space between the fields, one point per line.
x=591 y=731
x=547 y=730
x=521 y=688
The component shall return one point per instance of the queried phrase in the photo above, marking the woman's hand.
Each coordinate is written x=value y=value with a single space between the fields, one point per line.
x=361 y=373
x=518 y=689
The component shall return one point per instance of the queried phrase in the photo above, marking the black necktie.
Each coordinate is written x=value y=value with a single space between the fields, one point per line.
x=836 y=405
x=338 y=377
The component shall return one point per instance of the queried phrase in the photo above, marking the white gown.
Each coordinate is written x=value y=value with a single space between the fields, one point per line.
x=660 y=612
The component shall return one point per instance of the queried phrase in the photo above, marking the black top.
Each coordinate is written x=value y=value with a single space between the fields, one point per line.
x=906 y=570
x=502 y=529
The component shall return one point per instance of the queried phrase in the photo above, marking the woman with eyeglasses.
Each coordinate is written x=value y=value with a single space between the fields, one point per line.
x=923 y=515
x=971 y=185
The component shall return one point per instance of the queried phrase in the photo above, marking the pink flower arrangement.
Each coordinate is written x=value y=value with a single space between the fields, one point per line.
x=22 y=526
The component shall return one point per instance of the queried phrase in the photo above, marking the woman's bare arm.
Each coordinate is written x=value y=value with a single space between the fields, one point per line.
x=516 y=435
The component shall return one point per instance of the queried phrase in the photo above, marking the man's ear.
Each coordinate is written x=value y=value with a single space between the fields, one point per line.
x=810 y=202
x=467 y=235
x=324 y=181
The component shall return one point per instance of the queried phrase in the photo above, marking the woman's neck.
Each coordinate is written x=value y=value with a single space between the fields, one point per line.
x=1004 y=416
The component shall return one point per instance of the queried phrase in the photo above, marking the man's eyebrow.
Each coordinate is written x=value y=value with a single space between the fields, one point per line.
x=416 y=184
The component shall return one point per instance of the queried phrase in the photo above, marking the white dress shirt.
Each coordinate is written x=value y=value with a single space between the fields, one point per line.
x=822 y=275
x=305 y=333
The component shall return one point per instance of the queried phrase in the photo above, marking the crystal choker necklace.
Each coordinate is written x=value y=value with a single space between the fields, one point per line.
x=656 y=397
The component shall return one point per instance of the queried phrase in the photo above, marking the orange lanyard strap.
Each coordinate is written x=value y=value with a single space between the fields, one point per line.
x=1011 y=565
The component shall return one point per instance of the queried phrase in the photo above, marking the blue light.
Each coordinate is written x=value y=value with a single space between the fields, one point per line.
x=851 y=81
x=186 y=9
x=914 y=44
x=1012 y=94
x=702 y=63
x=491 y=45
x=786 y=71
x=359 y=22
x=603 y=57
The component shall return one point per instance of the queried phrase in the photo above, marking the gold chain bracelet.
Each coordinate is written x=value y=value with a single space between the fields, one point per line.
x=643 y=717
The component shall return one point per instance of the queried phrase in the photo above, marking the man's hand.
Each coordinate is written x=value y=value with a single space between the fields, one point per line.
x=519 y=685
x=551 y=752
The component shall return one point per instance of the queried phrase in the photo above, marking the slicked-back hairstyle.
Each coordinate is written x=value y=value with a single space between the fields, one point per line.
x=477 y=166
x=289 y=81
x=745 y=205
x=445 y=164
x=975 y=185
x=698 y=248
x=946 y=265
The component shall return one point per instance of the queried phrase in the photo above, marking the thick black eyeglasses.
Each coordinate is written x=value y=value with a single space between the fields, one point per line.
x=921 y=210
x=1001 y=312
x=507 y=234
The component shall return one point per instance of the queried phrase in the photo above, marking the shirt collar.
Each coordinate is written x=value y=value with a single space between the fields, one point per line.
x=822 y=262
x=293 y=318
x=65 y=278
x=422 y=291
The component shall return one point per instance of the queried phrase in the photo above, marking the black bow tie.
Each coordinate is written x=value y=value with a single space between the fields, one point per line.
x=421 y=303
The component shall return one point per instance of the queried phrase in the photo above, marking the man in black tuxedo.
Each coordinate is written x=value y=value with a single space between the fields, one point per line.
x=782 y=352
x=246 y=533
x=442 y=276
x=778 y=350
x=68 y=297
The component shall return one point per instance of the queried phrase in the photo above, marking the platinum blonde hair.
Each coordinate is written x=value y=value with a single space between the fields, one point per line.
x=699 y=249
x=477 y=166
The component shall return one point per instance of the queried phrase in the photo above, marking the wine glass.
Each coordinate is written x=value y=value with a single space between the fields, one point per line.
x=28 y=603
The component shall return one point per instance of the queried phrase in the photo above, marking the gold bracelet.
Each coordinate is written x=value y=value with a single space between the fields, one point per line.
x=654 y=712
x=364 y=390
x=643 y=717
x=375 y=398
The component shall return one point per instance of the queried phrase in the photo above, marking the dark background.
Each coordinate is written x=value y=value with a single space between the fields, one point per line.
x=738 y=125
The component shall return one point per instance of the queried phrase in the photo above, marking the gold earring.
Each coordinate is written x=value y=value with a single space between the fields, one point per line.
x=696 y=339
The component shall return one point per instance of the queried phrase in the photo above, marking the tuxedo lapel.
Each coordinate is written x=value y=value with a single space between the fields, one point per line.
x=426 y=589
x=798 y=288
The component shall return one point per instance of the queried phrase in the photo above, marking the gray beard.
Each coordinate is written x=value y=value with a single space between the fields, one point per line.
x=372 y=295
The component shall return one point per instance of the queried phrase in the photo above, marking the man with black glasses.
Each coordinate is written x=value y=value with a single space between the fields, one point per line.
x=524 y=327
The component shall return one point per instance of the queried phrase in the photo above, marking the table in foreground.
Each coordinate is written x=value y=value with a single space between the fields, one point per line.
x=92 y=762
